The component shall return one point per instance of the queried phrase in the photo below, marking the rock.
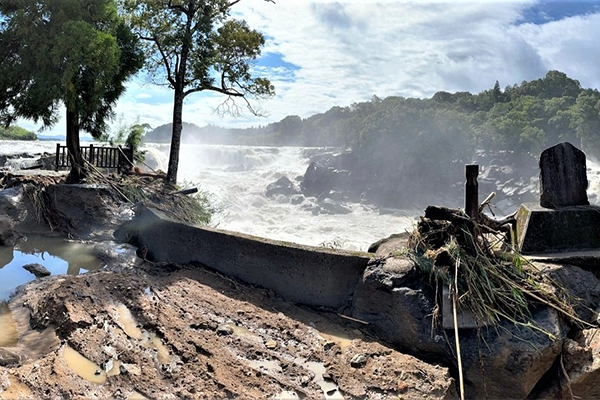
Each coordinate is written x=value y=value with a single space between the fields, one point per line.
x=581 y=362
x=321 y=177
x=224 y=330
x=358 y=360
x=8 y=357
x=331 y=207
x=282 y=186
x=398 y=306
x=271 y=344
x=578 y=283
x=563 y=177
x=130 y=368
x=510 y=357
x=393 y=243
x=8 y=236
x=297 y=199
x=37 y=269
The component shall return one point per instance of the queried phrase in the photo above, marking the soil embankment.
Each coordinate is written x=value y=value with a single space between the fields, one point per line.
x=167 y=331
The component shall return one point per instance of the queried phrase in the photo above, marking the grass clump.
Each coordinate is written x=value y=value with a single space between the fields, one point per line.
x=491 y=280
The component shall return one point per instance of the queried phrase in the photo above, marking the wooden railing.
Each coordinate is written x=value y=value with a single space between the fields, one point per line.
x=101 y=157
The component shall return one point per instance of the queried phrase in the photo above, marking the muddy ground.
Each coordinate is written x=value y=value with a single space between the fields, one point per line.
x=171 y=331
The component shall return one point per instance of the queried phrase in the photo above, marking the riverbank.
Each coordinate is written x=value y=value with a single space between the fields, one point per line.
x=138 y=329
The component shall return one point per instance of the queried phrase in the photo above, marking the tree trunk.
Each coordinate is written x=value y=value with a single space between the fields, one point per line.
x=176 y=135
x=78 y=170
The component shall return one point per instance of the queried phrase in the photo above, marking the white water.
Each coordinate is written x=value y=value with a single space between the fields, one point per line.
x=237 y=178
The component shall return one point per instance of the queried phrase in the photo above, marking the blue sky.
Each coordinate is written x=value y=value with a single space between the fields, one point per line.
x=324 y=53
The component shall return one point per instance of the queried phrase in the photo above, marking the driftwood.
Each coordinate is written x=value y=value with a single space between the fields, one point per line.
x=455 y=215
x=446 y=214
x=186 y=191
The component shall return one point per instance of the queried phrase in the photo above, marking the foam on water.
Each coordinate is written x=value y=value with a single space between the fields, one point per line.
x=237 y=177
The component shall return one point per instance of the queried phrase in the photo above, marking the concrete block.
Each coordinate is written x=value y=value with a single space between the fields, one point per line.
x=302 y=274
x=541 y=230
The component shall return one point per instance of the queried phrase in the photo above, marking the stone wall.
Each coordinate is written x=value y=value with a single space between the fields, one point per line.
x=302 y=274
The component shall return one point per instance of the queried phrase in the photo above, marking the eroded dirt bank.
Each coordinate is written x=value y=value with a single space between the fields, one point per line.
x=169 y=331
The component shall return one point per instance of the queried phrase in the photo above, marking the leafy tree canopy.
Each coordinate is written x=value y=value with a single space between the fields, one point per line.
x=194 y=46
x=72 y=52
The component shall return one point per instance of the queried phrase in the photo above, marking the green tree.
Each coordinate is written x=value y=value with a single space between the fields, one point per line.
x=193 y=46
x=75 y=52
x=587 y=120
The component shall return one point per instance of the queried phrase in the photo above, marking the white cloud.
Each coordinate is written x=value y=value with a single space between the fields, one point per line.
x=346 y=51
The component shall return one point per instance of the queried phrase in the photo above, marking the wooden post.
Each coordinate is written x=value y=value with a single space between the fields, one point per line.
x=91 y=160
x=472 y=191
x=56 y=162
x=118 y=156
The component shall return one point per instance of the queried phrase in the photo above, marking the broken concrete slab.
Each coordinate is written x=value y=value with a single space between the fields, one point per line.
x=541 y=230
x=563 y=177
x=303 y=274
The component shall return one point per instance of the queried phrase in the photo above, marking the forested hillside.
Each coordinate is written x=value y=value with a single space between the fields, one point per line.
x=405 y=149
x=524 y=118
x=16 y=133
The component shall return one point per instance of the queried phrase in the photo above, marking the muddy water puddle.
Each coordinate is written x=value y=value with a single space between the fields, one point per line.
x=58 y=255
x=9 y=335
x=130 y=326
x=83 y=367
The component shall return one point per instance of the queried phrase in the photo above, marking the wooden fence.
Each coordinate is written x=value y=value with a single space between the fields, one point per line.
x=102 y=157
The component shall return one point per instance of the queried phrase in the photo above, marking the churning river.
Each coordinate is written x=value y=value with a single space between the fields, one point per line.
x=236 y=178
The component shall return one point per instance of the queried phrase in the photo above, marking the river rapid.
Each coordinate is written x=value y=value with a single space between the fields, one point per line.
x=236 y=178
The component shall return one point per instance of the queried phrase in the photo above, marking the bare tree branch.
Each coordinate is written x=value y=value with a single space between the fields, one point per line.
x=163 y=56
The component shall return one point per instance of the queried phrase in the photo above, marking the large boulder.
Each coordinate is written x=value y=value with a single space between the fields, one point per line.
x=282 y=186
x=400 y=309
x=578 y=375
x=508 y=361
x=394 y=243
x=324 y=175
x=580 y=285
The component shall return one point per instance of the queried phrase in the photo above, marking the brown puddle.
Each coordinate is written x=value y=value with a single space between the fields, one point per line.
x=340 y=337
x=83 y=367
x=243 y=332
x=130 y=326
x=9 y=337
x=15 y=390
x=128 y=323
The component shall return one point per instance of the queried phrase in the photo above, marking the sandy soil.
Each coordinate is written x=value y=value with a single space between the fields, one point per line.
x=169 y=331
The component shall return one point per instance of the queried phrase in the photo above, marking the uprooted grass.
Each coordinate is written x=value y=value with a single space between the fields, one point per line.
x=151 y=191
x=493 y=284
